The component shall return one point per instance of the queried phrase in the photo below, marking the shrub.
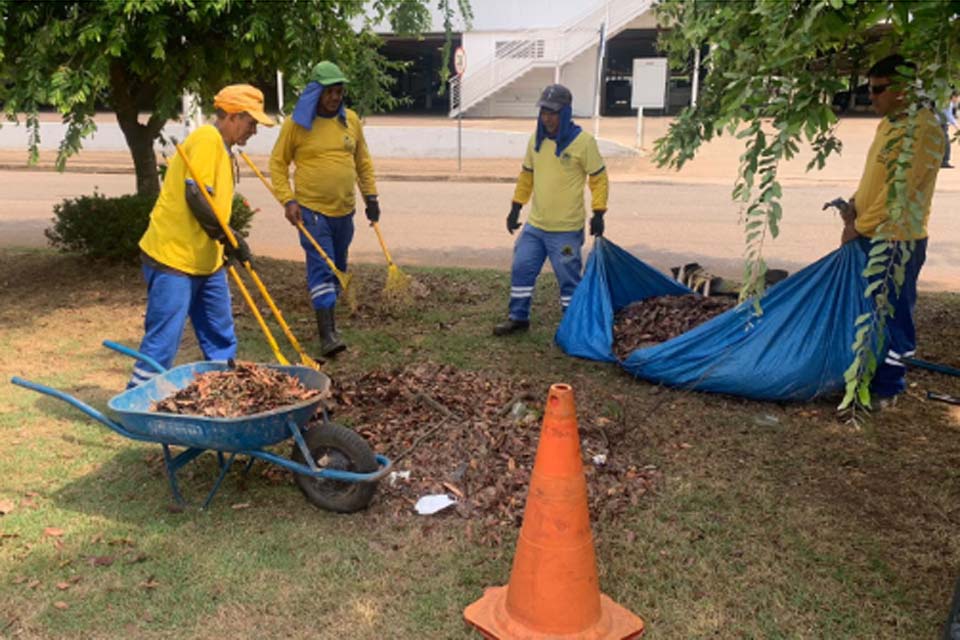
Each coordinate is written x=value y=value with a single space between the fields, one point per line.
x=110 y=228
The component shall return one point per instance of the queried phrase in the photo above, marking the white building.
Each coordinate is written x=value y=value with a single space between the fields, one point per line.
x=514 y=49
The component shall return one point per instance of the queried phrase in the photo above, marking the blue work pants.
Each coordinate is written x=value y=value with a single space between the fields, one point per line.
x=901 y=335
x=533 y=247
x=334 y=235
x=171 y=299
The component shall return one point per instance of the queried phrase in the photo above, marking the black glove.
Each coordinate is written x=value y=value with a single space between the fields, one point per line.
x=596 y=223
x=242 y=251
x=513 y=218
x=372 y=208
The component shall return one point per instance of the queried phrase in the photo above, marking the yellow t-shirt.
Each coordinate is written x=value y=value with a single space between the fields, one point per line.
x=330 y=159
x=174 y=237
x=558 y=182
x=871 y=196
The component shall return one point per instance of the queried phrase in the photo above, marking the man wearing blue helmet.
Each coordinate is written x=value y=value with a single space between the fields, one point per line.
x=560 y=159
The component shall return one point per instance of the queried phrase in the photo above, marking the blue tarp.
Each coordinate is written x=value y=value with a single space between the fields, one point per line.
x=797 y=349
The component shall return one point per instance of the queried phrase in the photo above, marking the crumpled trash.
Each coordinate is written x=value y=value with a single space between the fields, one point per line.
x=600 y=459
x=766 y=420
x=431 y=504
x=394 y=476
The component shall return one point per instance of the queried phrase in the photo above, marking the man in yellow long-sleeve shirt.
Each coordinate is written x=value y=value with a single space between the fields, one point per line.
x=325 y=141
x=560 y=159
x=867 y=216
x=183 y=248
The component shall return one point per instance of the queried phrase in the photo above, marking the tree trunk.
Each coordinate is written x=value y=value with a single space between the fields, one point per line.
x=125 y=95
x=140 y=141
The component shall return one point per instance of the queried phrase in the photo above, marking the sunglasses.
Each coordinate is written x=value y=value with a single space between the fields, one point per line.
x=877 y=89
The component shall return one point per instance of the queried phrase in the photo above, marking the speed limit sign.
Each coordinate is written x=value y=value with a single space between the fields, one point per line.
x=460 y=61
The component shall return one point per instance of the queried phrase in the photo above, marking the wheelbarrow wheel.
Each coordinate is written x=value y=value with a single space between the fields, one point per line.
x=335 y=447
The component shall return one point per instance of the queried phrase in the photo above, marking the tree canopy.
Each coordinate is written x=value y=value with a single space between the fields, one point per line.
x=774 y=67
x=142 y=55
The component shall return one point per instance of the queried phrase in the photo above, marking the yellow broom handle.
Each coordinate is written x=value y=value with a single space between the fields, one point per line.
x=247 y=265
x=256 y=313
x=303 y=230
x=383 y=245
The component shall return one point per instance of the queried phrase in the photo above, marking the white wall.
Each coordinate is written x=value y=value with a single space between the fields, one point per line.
x=580 y=77
x=511 y=15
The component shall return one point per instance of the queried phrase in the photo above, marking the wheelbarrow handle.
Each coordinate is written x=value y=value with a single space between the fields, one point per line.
x=79 y=404
x=127 y=351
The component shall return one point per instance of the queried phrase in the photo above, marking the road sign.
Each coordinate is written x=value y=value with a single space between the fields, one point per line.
x=460 y=61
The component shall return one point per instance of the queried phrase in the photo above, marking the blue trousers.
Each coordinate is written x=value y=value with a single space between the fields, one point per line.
x=334 y=235
x=901 y=335
x=533 y=247
x=171 y=299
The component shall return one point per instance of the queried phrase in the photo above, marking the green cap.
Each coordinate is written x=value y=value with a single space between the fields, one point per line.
x=327 y=73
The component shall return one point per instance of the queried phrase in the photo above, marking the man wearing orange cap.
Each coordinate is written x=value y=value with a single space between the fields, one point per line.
x=183 y=250
x=325 y=140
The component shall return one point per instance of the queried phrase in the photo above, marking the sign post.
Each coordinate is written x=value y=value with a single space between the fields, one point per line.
x=460 y=66
x=649 y=89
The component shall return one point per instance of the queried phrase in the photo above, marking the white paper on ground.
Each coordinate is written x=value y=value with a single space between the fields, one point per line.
x=428 y=505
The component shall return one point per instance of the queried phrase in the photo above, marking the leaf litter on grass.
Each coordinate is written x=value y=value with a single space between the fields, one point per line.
x=474 y=435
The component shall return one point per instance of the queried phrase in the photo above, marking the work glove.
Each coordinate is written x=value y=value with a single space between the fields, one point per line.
x=240 y=253
x=513 y=218
x=372 y=208
x=596 y=223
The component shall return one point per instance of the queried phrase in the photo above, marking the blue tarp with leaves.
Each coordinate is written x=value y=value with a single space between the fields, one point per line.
x=797 y=348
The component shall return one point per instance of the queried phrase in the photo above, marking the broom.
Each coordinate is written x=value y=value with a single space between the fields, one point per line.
x=396 y=291
x=345 y=279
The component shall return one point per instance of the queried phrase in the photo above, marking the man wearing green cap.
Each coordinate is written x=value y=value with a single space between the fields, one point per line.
x=325 y=141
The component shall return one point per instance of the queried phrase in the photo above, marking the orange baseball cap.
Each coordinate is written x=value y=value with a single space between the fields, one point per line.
x=243 y=98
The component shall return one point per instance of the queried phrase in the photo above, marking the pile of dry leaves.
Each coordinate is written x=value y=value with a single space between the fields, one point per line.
x=661 y=318
x=474 y=436
x=246 y=389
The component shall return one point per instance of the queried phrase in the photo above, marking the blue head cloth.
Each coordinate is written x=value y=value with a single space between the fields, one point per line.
x=306 y=109
x=566 y=132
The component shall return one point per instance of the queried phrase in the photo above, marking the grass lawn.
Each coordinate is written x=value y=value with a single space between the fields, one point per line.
x=769 y=520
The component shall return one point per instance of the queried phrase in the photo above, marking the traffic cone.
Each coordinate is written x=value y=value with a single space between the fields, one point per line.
x=553 y=590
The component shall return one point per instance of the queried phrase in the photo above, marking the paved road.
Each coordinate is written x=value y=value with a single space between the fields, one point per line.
x=461 y=224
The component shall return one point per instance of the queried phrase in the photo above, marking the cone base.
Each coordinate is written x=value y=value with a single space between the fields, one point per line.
x=490 y=617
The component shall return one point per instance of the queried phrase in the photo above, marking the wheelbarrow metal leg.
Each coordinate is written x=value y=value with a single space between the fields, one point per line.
x=223 y=473
x=173 y=463
x=302 y=444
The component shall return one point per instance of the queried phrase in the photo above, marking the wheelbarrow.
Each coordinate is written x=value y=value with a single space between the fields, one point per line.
x=334 y=467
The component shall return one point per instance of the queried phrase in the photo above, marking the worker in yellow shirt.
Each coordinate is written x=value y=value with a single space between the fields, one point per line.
x=867 y=215
x=325 y=141
x=182 y=250
x=560 y=159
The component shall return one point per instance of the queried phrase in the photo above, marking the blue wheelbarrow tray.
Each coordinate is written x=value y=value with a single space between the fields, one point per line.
x=240 y=434
x=245 y=435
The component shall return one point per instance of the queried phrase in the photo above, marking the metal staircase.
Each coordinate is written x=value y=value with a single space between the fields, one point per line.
x=536 y=48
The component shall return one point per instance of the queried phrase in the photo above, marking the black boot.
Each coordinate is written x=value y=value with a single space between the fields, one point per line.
x=511 y=326
x=330 y=343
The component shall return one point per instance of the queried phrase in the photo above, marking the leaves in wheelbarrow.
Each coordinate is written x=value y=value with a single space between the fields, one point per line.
x=475 y=435
x=247 y=389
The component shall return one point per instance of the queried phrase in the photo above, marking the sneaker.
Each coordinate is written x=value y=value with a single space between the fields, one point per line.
x=511 y=326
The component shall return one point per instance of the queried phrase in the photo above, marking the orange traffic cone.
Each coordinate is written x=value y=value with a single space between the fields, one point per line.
x=553 y=590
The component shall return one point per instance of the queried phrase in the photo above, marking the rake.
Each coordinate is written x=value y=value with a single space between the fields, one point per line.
x=396 y=291
x=304 y=358
x=345 y=279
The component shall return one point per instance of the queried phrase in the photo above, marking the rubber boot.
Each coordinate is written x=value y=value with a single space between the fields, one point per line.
x=330 y=343
x=511 y=326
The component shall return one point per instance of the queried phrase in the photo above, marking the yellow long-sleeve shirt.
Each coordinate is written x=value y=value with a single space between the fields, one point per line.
x=330 y=159
x=871 y=197
x=556 y=183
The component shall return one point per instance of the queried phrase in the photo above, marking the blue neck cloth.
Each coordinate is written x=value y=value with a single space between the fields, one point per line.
x=305 y=111
x=566 y=132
